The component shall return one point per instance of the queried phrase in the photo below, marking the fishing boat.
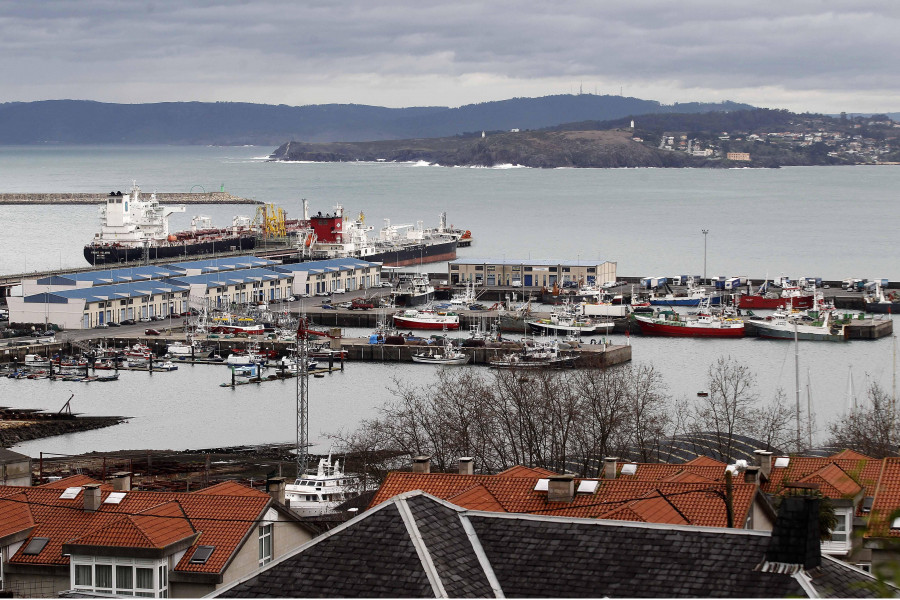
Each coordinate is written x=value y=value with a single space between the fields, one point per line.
x=815 y=325
x=107 y=377
x=540 y=355
x=413 y=290
x=565 y=321
x=316 y=494
x=166 y=366
x=790 y=296
x=693 y=296
x=671 y=324
x=36 y=361
x=426 y=319
x=443 y=355
x=241 y=359
x=191 y=349
x=881 y=303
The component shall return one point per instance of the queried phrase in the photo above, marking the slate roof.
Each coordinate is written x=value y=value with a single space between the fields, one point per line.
x=222 y=515
x=225 y=278
x=331 y=265
x=695 y=502
x=415 y=545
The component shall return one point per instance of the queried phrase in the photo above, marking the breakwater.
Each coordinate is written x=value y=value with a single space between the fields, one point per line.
x=100 y=198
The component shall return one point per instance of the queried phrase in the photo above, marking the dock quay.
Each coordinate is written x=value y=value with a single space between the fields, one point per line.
x=100 y=198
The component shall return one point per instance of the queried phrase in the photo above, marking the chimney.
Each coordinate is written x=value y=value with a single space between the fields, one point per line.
x=275 y=486
x=122 y=481
x=421 y=464
x=795 y=538
x=765 y=462
x=91 y=497
x=466 y=465
x=609 y=467
x=561 y=488
x=751 y=475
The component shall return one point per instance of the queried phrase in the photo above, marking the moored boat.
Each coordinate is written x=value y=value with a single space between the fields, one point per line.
x=704 y=325
x=790 y=297
x=813 y=325
x=426 y=319
x=315 y=494
x=566 y=321
x=442 y=355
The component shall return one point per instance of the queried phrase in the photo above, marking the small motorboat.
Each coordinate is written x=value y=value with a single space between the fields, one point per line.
x=444 y=355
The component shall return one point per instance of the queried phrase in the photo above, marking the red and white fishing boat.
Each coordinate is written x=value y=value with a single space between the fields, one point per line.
x=704 y=325
x=790 y=297
x=426 y=319
x=233 y=325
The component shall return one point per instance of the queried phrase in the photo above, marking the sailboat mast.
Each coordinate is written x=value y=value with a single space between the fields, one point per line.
x=797 y=383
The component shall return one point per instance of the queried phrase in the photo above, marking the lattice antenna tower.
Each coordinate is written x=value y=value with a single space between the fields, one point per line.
x=302 y=368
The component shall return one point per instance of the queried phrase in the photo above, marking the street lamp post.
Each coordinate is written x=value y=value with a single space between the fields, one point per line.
x=705 y=232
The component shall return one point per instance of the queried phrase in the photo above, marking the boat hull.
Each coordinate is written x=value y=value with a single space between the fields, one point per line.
x=109 y=254
x=440 y=360
x=713 y=301
x=653 y=327
x=883 y=308
x=761 y=302
x=774 y=333
x=553 y=329
x=413 y=323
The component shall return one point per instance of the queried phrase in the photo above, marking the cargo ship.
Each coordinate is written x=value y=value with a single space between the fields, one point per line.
x=334 y=235
x=136 y=228
x=133 y=228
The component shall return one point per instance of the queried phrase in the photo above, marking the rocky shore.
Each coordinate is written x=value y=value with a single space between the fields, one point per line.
x=17 y=426
x=100 y=198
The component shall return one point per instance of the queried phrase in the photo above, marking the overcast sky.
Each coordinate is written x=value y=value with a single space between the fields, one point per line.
x=816 y=55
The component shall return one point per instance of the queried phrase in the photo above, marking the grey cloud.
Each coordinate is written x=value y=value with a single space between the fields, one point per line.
x=210 y=48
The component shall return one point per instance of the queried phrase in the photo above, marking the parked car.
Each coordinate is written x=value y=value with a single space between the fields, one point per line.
x=114 y=324
x=516 y=283
x=101 y=326
x=129 y=322
x=338 y=291
x=145 y=319
x=151 y=332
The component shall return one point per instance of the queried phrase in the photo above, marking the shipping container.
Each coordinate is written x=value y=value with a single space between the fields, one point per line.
x=732 y=283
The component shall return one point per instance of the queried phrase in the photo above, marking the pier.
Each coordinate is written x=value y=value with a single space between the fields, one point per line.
x=73 y=198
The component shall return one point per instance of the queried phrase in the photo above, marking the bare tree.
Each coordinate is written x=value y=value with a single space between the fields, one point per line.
x=772 y=425
x=871 y=430
x=729 y=408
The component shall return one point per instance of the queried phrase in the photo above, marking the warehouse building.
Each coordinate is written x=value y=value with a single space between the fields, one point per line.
x=530 y=273
x=327 y=276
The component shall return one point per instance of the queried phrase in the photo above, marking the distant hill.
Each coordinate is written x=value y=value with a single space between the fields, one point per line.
x=594 y=144
x=233 y=123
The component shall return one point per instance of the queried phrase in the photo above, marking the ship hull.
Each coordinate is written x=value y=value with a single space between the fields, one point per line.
x=713 y=301
x=760 y=302
x=883 y=308
x=651 y=327
x=413 y=323
x=103 y=254
x=415 y=254
x=808 y=334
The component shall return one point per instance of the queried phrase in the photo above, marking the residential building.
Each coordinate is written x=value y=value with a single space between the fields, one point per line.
x=738 y=156
x=15 y=468
x=683 y=495
x=417 y=545
x=78 y=534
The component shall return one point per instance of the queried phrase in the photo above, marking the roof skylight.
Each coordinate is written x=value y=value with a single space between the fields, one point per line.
x=70 y=493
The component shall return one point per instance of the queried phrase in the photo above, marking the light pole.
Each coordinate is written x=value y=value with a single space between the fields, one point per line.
x=705 y=232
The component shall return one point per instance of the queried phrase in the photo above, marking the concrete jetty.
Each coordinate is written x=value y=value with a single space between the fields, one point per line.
x=74 y=198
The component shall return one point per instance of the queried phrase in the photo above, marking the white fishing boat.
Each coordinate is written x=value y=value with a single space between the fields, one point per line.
x=319 y=493
x=426 y=319
x=242 y=359
x=36 y=361
x=540 y=355
x=565 y=321
x=441 y=355
x=191 y=349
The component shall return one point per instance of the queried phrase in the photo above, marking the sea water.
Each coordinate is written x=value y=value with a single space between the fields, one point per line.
x=830 y=222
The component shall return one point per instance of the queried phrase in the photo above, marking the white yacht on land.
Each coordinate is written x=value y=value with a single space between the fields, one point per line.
x=319 y=493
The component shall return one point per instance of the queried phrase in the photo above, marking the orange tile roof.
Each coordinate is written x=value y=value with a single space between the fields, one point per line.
x=834 y=482
x=477 y=498
x=864 y=471
x=74 y=481
x=700 y=503
x=886 y=501
x=705 y=461
x=653 y=509
x=851 y=455
x=521 y=471
x=663 y=472
x=141 y=519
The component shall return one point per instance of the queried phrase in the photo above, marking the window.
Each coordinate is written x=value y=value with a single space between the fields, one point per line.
x=265 y=544
x=84 y=575
x=121 y=576
x=840 y=540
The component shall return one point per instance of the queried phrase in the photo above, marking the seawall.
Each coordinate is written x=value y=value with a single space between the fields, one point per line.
x=100 y=198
